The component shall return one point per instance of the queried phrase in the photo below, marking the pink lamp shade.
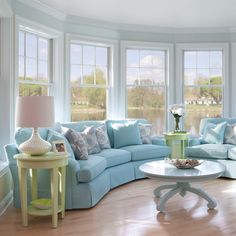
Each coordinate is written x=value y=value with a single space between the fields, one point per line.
x=35 y=111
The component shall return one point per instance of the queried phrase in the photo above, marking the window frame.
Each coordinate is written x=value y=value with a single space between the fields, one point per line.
x=112 y=66
x=179 y=83
x=169 y=73
x=56 y=66
x=49 y=84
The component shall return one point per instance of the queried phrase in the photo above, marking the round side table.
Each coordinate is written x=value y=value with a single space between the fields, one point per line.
x=177 y=142
x=57 y=165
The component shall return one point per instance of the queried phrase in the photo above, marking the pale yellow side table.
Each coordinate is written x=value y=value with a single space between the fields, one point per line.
x=57 y=165
x=177 y=150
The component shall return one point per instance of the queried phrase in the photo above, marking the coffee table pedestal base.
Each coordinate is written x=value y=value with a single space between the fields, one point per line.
x=181 y=188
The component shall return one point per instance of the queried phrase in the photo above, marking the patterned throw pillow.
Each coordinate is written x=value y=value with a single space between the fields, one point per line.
x=230 y=134
x=145 y=133
x=102 y=137
x=77 y=143
x=89 y=135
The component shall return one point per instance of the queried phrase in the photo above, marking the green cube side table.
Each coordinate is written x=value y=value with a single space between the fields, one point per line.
x=177 y=141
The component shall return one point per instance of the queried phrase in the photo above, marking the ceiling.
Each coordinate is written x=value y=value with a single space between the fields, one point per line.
x=159 y=13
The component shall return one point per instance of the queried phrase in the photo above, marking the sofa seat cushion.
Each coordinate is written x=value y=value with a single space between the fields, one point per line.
x=215 y=151
x=91 y=168
x=147 y=151
x=115 y=156
x=232 y=153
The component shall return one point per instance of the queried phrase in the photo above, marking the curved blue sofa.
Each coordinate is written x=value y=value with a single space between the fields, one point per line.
x=223 y=153
x=87 y=181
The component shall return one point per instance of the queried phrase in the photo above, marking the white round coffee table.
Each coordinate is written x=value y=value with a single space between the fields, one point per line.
x=164 y=171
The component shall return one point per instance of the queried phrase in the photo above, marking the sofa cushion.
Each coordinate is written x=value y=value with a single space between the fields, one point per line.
x=215 y=151
x=81 y=125
x=148 y=151
x=89 y=135
x=77 y=143
x=126 y=134
x=55 y=136
x=214 y=133
x=230 y=134
x=91 y=168
x=109 y=124
x=232 y=153
x=145 y=133
x=115 y=156
x=102 y=137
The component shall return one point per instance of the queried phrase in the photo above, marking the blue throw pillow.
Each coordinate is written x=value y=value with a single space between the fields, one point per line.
x=214 y=133
x=126 y=134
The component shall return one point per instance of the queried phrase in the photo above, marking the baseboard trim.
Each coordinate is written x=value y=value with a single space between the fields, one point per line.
x=5 y=203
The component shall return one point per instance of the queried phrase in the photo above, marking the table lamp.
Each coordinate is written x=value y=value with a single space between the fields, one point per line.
x=35 y=112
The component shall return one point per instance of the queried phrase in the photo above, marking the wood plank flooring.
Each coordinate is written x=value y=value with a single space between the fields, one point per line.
x=130 y=210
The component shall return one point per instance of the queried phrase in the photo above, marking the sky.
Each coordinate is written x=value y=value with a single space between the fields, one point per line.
x=37 y=47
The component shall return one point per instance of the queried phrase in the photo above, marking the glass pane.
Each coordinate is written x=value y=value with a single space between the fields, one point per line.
x=201 y=103
x=158 y=77
x=43 y=71
x=148 y=103
x=216 y=77
x=216 y=59
x=190 y=59
x=88 y=103
x=75 y=54
x=132 y=76
x=21 y=43
x=101 y=75
x=203 y=59
x=31 y=45
x=132 y=58
x=101 y=56
x=190 y=77
x=145 y=58
x=76 y=74
x=88 y=75
x=31 y=69
x=32 y=90
x=203 y=76
x=145 y=76
x=88 y=55
x=21 y=70
x=43 y=49
x=158 y=59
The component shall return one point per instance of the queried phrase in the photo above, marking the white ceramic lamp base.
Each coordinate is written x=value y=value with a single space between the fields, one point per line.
x=35 y=146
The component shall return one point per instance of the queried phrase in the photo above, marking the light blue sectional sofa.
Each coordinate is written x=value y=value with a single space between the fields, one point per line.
x=87 y=181
x=220 y=151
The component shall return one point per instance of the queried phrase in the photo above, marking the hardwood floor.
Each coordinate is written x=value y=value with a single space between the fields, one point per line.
x=130 y=210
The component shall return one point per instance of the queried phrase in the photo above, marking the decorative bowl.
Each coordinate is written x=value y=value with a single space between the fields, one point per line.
x=185 y=163
x=42 y=203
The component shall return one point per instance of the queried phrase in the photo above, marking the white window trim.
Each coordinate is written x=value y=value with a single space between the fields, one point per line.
x=169 y=73
x=179 y=83
x=57 y=57
x=112 y=71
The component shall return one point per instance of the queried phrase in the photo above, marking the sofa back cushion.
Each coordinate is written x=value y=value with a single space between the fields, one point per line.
x=81 y=125
x=214 y=133
x=126 y=134
x=230 y=134
x=204 y=122
x=109 y=124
